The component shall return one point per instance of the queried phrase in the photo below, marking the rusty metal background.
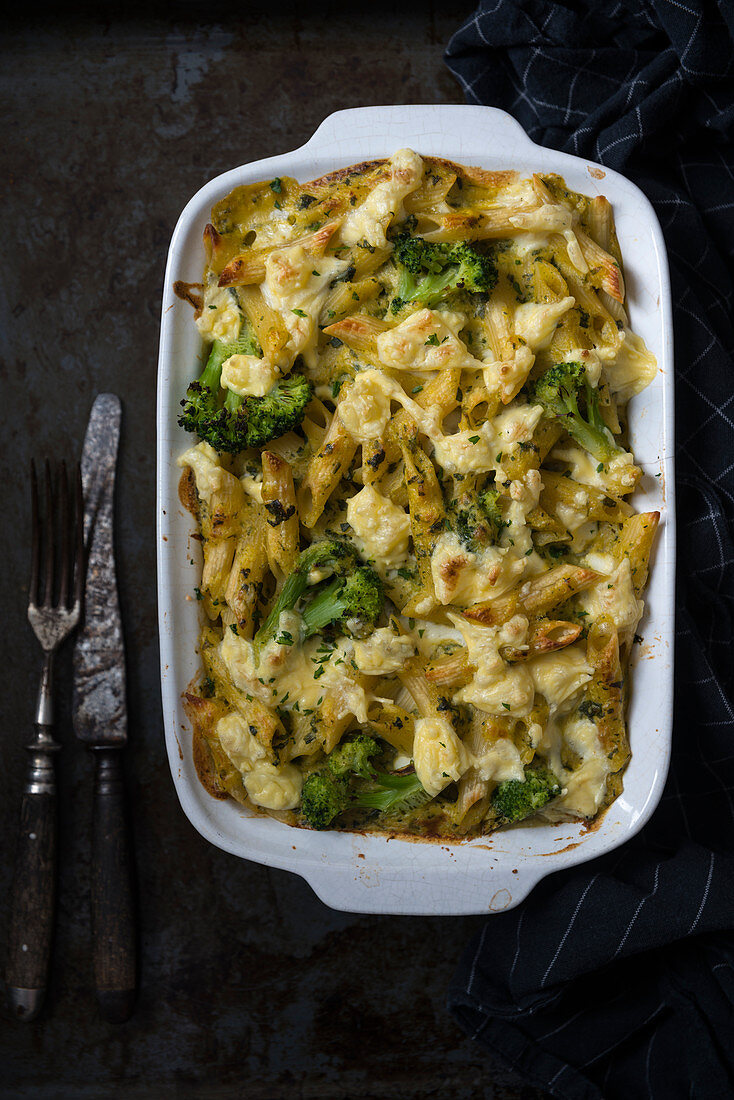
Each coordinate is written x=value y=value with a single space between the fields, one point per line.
x=250 y=987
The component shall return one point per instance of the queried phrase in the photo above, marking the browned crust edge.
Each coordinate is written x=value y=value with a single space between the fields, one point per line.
x=200 y=713
x=472 y=173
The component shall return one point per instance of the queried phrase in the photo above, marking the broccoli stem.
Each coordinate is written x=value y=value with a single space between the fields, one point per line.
x=393 y=792
x=323 y=609
x=593 y=436
x=327 y=551
x=293 y=588
x=232 y=401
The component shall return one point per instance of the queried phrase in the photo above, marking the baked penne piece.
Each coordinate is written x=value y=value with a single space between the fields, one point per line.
x=425 y=502
x=279 y=499
x=267 y=324
x=325 y=469
x=249 y=564
x=535 y=597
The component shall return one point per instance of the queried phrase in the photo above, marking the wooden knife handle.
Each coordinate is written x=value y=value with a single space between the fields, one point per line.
x=34 y=887
x=113 y=919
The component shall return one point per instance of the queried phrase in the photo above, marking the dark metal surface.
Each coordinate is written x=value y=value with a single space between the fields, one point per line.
x=250 y=987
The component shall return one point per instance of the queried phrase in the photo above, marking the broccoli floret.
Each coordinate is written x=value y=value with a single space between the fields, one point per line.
x=428 y=271
x=558 y=391
x=478 y=519
x=203 y=410
x=515 y=799
x=489 y=503
x=355 y=601
x=269 y=417
x=354 y=756
x=231 y=423
x=325 y=795
x=328 y=552
x=472 y=527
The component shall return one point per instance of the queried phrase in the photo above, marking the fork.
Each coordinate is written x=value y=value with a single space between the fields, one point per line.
x=34 y=884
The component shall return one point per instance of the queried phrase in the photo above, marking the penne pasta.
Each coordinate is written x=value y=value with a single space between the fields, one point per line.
x=279 y=498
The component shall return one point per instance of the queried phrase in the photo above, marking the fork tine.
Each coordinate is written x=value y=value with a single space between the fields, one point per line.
x=65 y=537
x=79 y=570
x=35 y=538
x=48 y=594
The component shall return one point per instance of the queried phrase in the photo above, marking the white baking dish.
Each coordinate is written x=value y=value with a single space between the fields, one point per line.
x=373 y=874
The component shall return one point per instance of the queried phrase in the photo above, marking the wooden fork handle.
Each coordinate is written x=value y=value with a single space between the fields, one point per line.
x=34 y=885
x=113 y=920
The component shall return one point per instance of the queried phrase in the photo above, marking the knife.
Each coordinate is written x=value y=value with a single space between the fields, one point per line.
x=100 y=720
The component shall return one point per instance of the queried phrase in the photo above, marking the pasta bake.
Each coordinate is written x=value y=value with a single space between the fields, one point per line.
x=422 y=575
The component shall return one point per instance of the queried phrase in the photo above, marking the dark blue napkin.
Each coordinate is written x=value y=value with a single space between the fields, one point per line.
x=617 y=979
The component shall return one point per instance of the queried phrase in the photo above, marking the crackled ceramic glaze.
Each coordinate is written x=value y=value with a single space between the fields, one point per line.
x=373 y=874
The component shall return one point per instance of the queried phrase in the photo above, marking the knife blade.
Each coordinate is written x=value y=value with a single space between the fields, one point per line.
x=100 y=719
x=100 y=712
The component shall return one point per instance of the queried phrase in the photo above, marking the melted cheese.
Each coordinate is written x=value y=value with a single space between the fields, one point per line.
x=209 y=474
x=560 y=677
x=249 y=376
x=574 y=513
x=274 y=788
x=463 y=577
x=615 y=596
x=536 y=322
x=497 y=687
x=296 y=285
x=384 y=204
x=531 y=242
x=290 y=675
x=241 y=746
x=499 y=762
x=471 y=451
x=381 y=528
x=383 y=653
x=427 y=340
x=524 y=494
x=220 y=317
x=253 y=486
x=365 y=409
x=584 y=468
x=633 y=368
x=506 y=376
x=585 y=787
x=517 y=424
x=439 y=756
